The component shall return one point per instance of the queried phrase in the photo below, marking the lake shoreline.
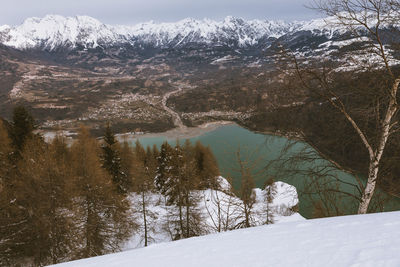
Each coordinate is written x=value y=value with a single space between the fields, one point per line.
x=177 y=133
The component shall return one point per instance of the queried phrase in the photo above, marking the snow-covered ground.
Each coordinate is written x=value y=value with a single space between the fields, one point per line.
x=220 y=211
x=361 y=240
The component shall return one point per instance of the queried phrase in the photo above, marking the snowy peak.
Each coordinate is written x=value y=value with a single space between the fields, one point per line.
x=230 y=30
x=53 y=31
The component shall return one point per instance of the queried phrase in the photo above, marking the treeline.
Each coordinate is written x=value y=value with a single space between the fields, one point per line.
x=61 y=201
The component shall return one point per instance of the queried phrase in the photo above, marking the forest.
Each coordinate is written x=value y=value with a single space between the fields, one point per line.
x=70 y=199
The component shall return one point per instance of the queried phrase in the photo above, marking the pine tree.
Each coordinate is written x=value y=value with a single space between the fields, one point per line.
x=145 y=166
x=12 y=217
x=102 y=213
x=140 y=153
x=179 y=184
x=189 y=180
x=207 y=167
x=164 y=167
x=111 y=161
x=5 y=154
x=173 y=185
x=155 y=152
x=246 y=191
x=127 y=164
x=151 y=161
x=43 y=191
x=22 y=128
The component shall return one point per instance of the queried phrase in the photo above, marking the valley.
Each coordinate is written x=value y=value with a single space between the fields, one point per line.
x=155 y=77
x=115 y=137
x=183 y=79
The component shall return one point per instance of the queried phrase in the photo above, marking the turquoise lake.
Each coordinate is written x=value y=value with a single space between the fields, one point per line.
x=271 y=157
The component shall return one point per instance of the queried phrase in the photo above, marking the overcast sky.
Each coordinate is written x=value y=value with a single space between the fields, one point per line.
x=129 y=12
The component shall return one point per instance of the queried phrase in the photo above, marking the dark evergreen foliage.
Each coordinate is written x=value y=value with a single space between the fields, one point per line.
x=111 y=161
x=163 y=170
x=61 y=202
x=22 y=128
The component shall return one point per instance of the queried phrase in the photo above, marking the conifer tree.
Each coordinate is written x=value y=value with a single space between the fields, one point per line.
x=179 y=182
x=22 y=128
x=246 y=193
x=12 y=217
x=111 y=161
x=43 y=191
x=151 y=160
x=5 y=154
x=155 y=152
x=140 y=153
x=189 y=180
x=164 y=167
x=127 y=164
x=207 y=167
x=102 y=213
x=145 y=166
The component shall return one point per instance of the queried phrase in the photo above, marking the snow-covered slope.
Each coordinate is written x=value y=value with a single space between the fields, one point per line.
x=362 y=240
x=316 y=37
x=55 y=31
x=220 y=210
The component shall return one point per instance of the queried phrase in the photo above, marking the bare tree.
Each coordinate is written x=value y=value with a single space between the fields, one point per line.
x=270 y=192
x=246 y=192
x=222 y=207
x=368 y=19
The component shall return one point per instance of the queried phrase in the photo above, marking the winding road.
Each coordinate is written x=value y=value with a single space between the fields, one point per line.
x=175 y=116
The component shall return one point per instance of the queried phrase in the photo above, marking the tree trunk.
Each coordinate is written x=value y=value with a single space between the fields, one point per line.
x=180 y=215
x=144 y=218
x=187 y=216
x=377 y=155
x=369 y=189
x=246 y=215
x=87 y=226
x=219 y=213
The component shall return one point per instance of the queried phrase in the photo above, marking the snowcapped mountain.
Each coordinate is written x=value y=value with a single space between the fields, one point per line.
x=53 y=31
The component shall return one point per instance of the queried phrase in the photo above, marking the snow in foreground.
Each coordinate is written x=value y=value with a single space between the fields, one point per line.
x=361 y=240
x=220 y=210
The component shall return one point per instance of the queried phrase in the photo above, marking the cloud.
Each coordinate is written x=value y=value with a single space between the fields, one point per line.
x=134 y=11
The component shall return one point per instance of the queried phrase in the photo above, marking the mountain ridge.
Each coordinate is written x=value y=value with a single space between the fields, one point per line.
x=53 y=31
x=82 y=65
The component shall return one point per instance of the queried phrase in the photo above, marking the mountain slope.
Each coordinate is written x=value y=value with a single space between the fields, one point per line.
x=131 y=68
x=360 y=240
x=220 y=209
x=325 y=37
x=53 y=31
